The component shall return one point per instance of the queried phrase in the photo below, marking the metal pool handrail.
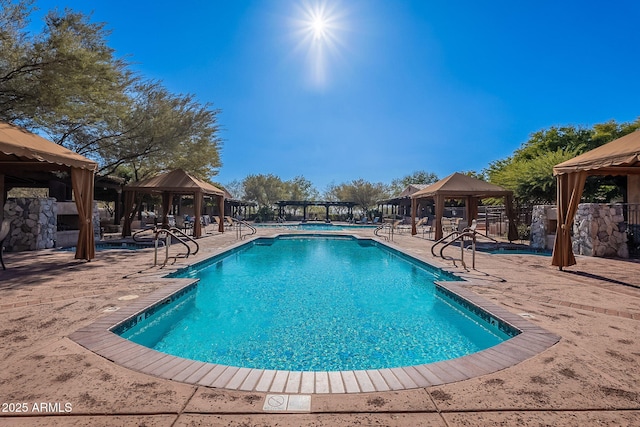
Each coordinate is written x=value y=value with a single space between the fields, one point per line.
x=459 y=235
x=240 y=223
x=168 y=234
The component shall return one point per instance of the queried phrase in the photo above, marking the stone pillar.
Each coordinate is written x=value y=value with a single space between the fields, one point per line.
x=1 y=197
x=599 y=230
x=33 y=223
x=543 y=226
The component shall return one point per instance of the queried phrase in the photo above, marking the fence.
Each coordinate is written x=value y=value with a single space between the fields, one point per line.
x=493 y=220
x=631 y=213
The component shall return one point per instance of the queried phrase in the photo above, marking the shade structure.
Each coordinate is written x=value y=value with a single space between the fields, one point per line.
x=461 y=186
x=619 y=157
x=176 y=182
x=22 y=151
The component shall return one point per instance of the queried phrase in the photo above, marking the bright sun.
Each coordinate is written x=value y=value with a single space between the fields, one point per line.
x=318 y=25
x=318 y=29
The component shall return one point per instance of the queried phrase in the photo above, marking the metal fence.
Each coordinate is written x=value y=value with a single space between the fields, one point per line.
x=631 y=212
x=493 y=221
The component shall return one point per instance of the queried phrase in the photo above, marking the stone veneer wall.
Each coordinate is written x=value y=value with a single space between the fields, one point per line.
x=33 y=223
x=598 y=230
x=542 y=234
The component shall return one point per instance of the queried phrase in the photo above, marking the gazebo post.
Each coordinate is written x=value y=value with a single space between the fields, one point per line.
x=221 y=213
x=414 y=230
x=167 y=199
x=439 y=201
x=197 y=209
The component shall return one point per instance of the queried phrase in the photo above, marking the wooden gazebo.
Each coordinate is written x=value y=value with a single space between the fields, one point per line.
x=176 y=182
x=23 y=153
x=618 y=157
x=462 y=187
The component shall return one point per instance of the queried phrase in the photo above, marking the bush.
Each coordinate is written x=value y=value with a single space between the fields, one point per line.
x=524 y=232
x=265 y=213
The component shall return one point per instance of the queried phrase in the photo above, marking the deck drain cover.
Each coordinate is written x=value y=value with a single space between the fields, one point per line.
x=110 y=309
x=285 y=402
x=127 y=297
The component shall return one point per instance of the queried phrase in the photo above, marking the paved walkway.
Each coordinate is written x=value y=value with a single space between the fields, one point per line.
x=591 y=377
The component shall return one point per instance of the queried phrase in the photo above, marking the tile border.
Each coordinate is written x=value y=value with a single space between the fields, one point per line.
x=99 y=338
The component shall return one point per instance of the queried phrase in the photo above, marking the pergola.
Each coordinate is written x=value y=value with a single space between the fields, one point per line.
x=176 y=182
x=401 y=204
x=462 y=187
x=23 y=153
x=618 y=157
x=306 y=203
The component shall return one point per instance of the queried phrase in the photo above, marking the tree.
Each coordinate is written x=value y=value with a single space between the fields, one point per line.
x=61 y=80
x=531 y=180
x=418 y=177
x=236 y=189
x=365 y=194
x=529 y=171
x=67 y=83
x=300 y=188
x=265 y=190
x=163 y=131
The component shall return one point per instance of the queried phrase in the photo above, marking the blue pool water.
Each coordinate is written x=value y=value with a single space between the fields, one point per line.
x=310 y=226
x=315 y=304
x=509 y=251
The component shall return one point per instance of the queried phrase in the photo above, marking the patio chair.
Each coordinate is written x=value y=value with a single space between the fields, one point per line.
x=424 y=226
x=448 y=226
x=229 y=221
x=4 y=232
x=183 y=224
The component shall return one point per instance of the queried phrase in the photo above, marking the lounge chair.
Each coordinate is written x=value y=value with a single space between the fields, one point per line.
x=449 y=225
x=229 y=222
x=4 y=232
x=183 y=224
x=424 y=226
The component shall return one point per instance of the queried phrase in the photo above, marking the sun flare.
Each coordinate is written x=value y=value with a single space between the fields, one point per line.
x=318 y=29
x=318 y=25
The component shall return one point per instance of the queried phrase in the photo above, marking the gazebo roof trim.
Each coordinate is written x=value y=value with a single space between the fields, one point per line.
x=176 y=181
x=460 y=185
x=621 y=152
x=19 y=145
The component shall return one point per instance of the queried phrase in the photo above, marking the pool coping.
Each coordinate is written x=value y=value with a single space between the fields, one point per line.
x=98 y=338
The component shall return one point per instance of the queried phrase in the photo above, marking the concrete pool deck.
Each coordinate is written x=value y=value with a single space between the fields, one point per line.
x=591 y=376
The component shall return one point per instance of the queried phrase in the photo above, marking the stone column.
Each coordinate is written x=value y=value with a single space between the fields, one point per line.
x=599 y=230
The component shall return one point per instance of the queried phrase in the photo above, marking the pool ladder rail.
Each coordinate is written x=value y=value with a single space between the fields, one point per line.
x=469 y=232
x=390 y=226
x=164 y=237
x=237 y=224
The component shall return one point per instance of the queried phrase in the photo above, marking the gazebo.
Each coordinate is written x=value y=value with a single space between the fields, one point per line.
x=23 y=153
x=401 y=204
x=462 y=187
x=169 y=184
x=619 y=157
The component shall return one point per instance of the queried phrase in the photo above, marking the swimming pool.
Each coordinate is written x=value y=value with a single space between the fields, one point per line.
x=316 y=303
x=319 y=226
x=100 y=338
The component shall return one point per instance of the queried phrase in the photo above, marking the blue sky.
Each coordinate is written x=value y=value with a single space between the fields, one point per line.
x=385 y=87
